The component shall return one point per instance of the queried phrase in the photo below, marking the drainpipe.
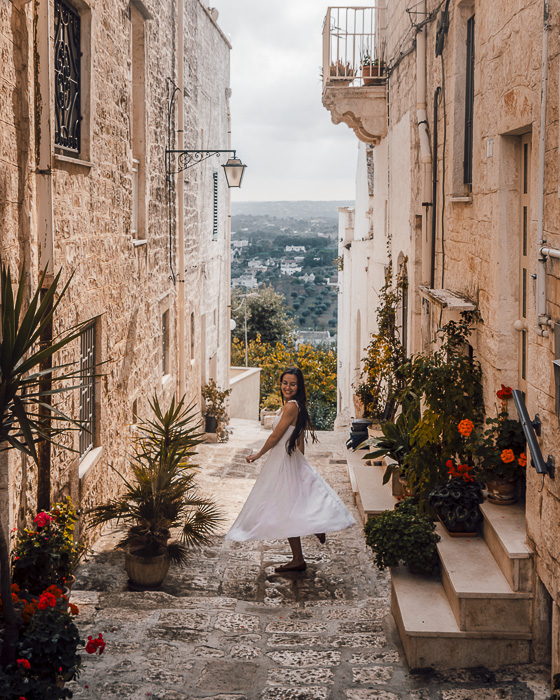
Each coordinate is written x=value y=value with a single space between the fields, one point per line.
x=228 y=251
x=45 y=231
x=424 y=139
x=434 y=190
x=180 y=206
x=542 y=316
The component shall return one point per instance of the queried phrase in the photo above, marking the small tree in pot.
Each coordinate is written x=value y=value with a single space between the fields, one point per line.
x=214 y=405
x=161 y=496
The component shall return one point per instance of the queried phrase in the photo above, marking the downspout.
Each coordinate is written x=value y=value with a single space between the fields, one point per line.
x=228 y=251
x=542 y=316
x=180 y=206
x=434 y=189
x=45 y=230
x=424 y=139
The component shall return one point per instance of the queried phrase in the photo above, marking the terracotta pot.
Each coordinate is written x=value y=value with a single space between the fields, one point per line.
x=370 y=75
x=145 y=573
x=405 y=487
x=502 y=493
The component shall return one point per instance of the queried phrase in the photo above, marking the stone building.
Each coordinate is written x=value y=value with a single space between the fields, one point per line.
x=92 y=96
x=458 y=176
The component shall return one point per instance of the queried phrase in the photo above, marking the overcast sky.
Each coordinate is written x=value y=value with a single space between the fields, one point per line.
x=280 y=129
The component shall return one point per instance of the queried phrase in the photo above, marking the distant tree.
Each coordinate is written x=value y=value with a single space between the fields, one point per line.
x=266 y=316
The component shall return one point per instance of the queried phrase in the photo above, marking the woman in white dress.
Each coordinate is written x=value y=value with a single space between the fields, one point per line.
x=289 y=499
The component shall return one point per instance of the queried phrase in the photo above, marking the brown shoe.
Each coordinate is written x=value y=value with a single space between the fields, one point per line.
x=321 y=537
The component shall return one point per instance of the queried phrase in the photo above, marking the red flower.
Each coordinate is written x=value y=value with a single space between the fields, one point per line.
x=74 y=609
x=15 y=588
x=24 y=663
x=42 y=519
x=46 y=600
x=94 y=644
x=504 y=393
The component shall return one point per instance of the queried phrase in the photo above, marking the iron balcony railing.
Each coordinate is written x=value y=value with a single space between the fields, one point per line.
x=350 y=54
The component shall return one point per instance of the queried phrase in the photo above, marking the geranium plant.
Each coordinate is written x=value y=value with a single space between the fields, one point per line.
x=47 y=646
x=46 y=553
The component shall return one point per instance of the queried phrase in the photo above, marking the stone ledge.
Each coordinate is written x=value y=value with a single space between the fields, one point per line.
x=89 y=462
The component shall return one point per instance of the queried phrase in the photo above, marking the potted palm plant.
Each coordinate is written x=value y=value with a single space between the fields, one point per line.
x=161 y=496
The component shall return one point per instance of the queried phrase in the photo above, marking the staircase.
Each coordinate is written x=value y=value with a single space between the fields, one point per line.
x=480 y=612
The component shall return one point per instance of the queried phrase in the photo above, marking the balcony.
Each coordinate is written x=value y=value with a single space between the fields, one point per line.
x=354 y=84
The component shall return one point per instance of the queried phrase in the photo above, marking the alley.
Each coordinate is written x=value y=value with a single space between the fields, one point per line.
x=228 y=628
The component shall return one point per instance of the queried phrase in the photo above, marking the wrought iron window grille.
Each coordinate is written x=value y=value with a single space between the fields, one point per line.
x=67 y=55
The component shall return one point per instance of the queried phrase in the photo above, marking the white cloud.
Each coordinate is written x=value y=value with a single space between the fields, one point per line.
x=279 y=126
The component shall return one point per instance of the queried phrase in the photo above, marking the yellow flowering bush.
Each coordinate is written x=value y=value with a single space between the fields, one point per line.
x=317 y=364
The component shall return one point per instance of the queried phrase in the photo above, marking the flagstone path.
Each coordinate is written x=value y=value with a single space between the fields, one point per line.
x=227 y=627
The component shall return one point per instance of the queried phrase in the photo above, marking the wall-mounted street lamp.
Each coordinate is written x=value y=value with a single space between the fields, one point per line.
x=233 y=169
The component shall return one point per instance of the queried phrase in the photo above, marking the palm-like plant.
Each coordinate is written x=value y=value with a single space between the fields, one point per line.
x=163 y=494
x=27 y=386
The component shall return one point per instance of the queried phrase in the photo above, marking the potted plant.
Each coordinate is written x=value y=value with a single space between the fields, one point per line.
x=502 y=458
x=404 y=535
x=395 y=442
x=456 y=501
x=341 y=74
x=214 y=405
x=161 y=495
x=46 y=553
x=46 y=650
x=372 y=69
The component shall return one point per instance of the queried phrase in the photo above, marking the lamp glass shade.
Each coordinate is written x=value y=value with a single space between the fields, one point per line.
x=234 y=170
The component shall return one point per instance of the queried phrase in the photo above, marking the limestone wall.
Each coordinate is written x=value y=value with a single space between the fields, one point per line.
x=125 y=288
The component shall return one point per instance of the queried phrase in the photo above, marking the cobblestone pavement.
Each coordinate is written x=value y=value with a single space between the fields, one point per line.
x=227 y=627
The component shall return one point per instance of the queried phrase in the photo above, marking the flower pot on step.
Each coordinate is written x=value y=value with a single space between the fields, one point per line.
x=501 y=492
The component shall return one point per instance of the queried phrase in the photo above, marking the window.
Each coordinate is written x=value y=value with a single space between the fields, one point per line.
x=87 y=390
x=165 y=343
x=215 y=221
x=68 y=89
x=469 y=105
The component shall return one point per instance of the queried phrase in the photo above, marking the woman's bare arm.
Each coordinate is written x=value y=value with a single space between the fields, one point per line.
x=289 y=414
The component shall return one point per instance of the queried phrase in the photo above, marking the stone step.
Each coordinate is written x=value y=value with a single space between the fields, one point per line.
x=478 y=592
x=371 y=495
x=431 y=636
x=505 y=533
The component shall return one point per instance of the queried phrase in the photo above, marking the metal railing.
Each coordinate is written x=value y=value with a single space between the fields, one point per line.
x=349 y=51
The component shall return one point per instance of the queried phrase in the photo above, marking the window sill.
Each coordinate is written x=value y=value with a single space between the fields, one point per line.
x=461 y=199
x=137 y=242
x=73 y=161
x=166 y=379
x=89 y=462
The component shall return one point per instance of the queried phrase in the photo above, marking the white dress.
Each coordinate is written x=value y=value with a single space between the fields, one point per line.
x=289 y=499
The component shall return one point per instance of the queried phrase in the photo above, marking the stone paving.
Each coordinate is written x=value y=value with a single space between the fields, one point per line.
x=227 y=627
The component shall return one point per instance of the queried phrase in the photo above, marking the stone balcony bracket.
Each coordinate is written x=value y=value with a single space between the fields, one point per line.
x=362 y=108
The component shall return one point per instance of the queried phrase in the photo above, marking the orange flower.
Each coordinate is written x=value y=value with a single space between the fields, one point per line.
x=465 y=427
x=507 y=456
x=522 y=461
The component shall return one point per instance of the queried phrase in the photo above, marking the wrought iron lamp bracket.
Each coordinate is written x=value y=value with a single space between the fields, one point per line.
x=188 y=158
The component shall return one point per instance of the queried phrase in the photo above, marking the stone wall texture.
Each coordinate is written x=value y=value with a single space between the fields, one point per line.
x=479 y=229
x=124 y=288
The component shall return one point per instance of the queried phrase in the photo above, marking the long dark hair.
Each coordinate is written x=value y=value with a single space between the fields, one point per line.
x=303 y=422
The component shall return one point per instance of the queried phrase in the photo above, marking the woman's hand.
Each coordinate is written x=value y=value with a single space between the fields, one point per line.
x=252 y=457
